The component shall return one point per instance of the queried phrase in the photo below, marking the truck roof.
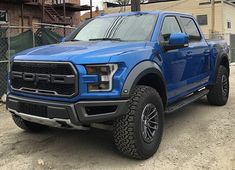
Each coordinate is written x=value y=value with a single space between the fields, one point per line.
x=158 y=12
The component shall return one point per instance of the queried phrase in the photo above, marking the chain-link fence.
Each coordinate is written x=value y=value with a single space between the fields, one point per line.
x=14 y=39
x=4 y=56
x=50 y=34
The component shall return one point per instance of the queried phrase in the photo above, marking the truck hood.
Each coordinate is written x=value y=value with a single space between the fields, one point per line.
x=80 y=52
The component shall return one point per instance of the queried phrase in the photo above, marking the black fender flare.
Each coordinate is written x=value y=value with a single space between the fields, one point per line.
x=222 y=53
x=139 y=71
x=219 y=60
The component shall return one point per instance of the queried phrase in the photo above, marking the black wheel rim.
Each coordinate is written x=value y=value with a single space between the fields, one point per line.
x=224 y=85
x=149 y=122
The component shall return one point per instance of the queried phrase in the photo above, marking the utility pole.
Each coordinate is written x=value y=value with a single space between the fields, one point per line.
x=135 y=5
x=22 y=17
x=91 y=9
x=43 y=10
x=212 y=16
x=64 y=9
x=222 y=11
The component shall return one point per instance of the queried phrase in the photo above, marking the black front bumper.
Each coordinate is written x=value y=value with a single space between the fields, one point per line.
x=79 y=113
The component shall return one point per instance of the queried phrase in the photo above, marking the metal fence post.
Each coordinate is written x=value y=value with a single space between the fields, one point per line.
x=9 y=46
x=33 y=35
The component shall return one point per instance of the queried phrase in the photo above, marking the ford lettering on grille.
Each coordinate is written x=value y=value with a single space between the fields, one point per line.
x=44 y=78
x=34 y=77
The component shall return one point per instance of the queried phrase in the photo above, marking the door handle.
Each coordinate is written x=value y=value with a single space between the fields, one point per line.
x=206 y=52
x=189 y=53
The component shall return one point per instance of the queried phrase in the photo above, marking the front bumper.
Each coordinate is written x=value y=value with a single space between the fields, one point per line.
x=65 y=114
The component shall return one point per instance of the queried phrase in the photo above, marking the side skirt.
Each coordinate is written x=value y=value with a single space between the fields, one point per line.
x=187 y=100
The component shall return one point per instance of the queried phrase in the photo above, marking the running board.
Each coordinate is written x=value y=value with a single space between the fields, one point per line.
x=186 y=101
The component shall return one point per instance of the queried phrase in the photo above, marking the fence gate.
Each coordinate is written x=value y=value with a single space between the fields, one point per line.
x=232 y=44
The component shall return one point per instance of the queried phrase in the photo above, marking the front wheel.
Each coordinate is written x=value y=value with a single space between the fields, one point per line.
x=219 y=92
x=138 y=133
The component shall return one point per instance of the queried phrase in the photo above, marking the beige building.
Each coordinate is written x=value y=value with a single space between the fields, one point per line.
x=224 y=18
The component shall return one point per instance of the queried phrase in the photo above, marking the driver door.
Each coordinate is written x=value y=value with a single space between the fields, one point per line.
x=175 y=61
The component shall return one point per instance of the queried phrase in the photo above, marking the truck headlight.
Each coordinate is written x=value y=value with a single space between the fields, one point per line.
x=105 y=73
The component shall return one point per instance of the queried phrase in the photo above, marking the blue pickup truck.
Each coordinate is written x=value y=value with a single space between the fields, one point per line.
x=119 y=71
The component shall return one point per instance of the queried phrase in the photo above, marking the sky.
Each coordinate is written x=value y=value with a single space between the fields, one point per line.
x=94 y=3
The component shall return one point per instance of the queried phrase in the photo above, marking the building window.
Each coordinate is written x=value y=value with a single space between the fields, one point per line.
x=3 y=16
x=229 y=24
x=202 y=19
x=60 y=1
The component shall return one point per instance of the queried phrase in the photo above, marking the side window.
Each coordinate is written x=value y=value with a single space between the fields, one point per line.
x=170 y=25
x=191 y=29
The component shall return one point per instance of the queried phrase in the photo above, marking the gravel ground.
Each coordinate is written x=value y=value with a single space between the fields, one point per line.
x=198 y=136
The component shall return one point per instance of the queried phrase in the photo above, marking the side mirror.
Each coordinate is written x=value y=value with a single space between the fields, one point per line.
x=177 y=41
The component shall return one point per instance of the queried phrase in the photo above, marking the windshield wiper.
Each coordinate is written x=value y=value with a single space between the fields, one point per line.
x=74 y=40
x=105 y=39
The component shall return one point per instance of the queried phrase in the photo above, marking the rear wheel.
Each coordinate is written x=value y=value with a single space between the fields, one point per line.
x=28 y=126
x=219 y=93
x=138 y=133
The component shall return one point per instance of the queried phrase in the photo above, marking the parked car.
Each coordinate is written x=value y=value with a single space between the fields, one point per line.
x=124 y=71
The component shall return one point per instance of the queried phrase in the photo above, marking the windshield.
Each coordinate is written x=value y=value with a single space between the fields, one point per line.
x=118 y=28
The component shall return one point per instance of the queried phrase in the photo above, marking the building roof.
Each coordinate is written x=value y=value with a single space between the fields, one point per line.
x=232 y=2
x=113 y=5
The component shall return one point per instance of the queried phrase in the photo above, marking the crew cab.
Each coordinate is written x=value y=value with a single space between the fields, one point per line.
x=124 y=71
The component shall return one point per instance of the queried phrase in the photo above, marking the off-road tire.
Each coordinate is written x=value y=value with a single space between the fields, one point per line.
x=127 y=133
x=216 y=95
x=28 y=126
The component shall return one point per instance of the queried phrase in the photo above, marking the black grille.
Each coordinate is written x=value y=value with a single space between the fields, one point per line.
x=44 y=78
x=32 y=109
